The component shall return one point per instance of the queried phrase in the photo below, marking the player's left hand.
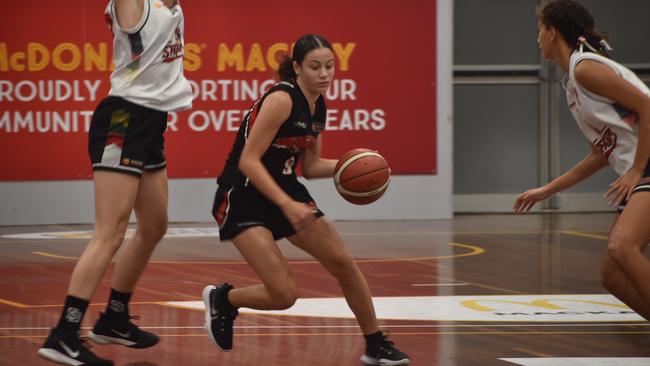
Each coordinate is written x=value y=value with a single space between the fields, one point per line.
x=622 y=188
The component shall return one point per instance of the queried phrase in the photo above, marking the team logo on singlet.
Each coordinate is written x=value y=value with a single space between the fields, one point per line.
x=173 y=49
x=606 y=142
x=296 y=144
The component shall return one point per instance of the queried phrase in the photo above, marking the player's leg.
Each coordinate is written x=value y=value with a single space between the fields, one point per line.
x=627 y=241
x=277 y=291
x=322 y=241
x=614 y=279
x=114 y=325
x=115 y=195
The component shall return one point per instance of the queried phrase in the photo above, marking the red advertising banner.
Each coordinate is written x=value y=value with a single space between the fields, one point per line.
x=55 y=60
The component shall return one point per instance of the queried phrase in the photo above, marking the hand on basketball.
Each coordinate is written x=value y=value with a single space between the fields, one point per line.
x=528 y=199
x=299 y=214
x=622 y=188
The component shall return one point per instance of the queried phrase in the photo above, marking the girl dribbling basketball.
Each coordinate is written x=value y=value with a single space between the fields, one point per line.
x=260 y=200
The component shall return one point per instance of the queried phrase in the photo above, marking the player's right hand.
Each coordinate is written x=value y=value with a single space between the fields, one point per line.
x=299 y=214
x=528 y=199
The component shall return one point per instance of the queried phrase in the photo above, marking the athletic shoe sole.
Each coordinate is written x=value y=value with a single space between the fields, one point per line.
x=208 y=316
x=56 y=356
x=367 y=360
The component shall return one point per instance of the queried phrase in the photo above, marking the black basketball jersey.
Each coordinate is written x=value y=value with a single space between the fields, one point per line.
x=295 y=134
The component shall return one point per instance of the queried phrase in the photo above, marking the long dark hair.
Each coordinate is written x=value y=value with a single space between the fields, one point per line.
x=302 y=47
x=575 y=24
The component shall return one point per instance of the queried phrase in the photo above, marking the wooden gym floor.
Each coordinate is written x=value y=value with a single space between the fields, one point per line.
x=475 y=290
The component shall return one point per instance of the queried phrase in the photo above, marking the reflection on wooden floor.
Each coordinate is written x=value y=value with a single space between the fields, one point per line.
x=475 y=290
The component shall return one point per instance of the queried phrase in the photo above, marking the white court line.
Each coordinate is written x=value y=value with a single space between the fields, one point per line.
x=580 y=325
x=580 y=361
x=437 y=284
x=552 y=308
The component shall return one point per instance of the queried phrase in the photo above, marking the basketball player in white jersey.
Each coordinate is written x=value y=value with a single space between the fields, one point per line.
x=612 y=108
x=126 y=149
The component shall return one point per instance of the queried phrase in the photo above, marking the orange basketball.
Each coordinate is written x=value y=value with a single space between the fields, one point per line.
x=361 y=176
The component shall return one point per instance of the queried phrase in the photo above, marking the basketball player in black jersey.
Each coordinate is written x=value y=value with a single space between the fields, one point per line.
x=260 y=200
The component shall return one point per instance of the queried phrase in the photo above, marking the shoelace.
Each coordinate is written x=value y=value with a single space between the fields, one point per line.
x=231 y=314
x=386 y=346
x=229 y=317
x=128 y=325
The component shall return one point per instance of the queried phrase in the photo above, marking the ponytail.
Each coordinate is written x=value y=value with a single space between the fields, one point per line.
x=591 y=39
x=286 y=71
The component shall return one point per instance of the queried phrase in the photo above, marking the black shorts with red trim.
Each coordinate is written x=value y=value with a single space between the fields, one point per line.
x=241 y=207
x=126 y=137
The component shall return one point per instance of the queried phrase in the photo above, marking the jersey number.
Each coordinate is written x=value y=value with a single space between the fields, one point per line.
x=288 y=166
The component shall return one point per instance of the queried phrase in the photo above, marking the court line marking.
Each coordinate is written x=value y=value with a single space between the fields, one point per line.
x=97 y=304
x=358 y=333
x=531 y=352
x=87 y=234
x=584 y=235
x=13 y=303
x=438 y=284
x=573 y=361
x=473 y=250
x=559 y=325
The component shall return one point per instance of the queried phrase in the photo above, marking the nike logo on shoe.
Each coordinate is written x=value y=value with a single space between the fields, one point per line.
x=124 y=335
x=68 y=350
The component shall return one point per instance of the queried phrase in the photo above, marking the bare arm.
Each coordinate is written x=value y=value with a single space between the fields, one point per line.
x=581 y=171
x=274 y=111
x=313 y=166
x=602 y=80
x=129 y=13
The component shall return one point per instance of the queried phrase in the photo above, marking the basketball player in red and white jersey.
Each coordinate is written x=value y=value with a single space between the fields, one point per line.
x=609 y=102
x=126 y=148
x=260 y=200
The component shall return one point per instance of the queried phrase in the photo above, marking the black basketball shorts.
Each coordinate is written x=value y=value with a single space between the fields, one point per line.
x=241 y=207
x=126 y=137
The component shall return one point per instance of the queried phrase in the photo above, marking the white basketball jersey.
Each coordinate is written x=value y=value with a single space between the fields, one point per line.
x=607 y=125
x=149 y=58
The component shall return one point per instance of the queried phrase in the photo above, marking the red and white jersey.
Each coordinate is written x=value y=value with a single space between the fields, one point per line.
x=608 y=126
x=149 y=58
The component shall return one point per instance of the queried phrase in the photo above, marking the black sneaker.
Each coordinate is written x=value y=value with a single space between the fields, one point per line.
x=219 y=315
x=69 y=349
x=386 y=355
x=121 y=332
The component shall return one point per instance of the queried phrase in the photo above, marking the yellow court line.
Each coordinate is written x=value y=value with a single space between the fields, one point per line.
x=584 y=235
x=96 y=304
x=12 y=303
x=473 y=250
x=357 y=334
x=51 y=255
x=87 y=235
